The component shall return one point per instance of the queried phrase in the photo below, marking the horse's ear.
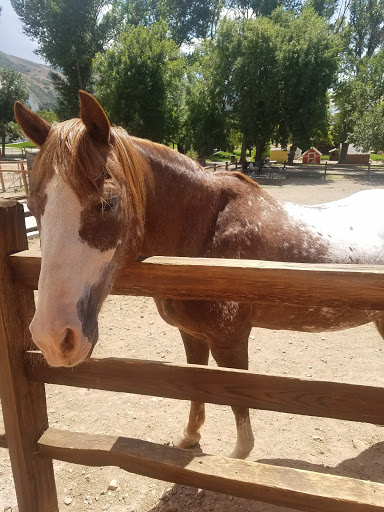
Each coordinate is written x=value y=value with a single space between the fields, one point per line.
x=34 y=127
x=94 y=118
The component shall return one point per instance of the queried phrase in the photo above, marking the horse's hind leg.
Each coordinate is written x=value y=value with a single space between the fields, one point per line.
x=197 y=351
x=235 y=355
x=380 y=326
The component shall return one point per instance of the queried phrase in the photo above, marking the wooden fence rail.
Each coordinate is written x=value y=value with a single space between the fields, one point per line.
x=17 y=167
x=218 y=386
x=274 y=283
x=33 y=444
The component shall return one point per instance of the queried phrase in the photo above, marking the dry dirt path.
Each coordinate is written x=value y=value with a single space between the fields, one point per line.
x=131 y=327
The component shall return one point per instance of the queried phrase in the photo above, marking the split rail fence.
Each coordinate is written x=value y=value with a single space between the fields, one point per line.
x=33 y=444
x=18 y=170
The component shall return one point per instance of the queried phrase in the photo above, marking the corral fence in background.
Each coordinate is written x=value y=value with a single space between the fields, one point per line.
x=33 y=444
x=14 y=175
x=14 y=153
x=275 y=174
x=16 y=166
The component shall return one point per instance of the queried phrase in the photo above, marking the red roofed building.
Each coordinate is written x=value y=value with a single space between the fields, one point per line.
x=312 y=156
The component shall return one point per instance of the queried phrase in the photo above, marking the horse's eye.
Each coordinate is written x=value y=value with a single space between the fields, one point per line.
x=108 y=204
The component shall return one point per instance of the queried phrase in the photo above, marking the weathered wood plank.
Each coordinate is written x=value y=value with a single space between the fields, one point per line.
x=23 y=402
x=218 y=385
x=3 y=438
x=282 y=486
x=354 y=286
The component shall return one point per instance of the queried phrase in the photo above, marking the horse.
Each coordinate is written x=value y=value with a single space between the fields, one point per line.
x=102 y=198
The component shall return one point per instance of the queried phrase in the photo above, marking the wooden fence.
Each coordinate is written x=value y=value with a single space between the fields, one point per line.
x=33 y=444
x=277 y=174
x=330 y=168
x=17 y=169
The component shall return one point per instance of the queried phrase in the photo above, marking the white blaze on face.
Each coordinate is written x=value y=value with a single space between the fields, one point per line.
x=69 y=267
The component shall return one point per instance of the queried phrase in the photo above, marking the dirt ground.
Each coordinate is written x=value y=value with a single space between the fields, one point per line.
x=131 y=327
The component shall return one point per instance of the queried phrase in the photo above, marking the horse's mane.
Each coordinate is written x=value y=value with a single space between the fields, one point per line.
x=85 y=163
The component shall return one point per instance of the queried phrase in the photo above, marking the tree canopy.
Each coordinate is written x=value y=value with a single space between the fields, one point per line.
x=69 y=33
x=270 y=77
x=358 y=93
x=202 y=73
x=12 y=88
x=137 y=80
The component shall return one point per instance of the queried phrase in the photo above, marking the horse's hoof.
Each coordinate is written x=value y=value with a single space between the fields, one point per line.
x=186 y=441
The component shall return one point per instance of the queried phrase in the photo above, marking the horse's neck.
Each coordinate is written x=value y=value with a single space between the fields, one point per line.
x=181 y=203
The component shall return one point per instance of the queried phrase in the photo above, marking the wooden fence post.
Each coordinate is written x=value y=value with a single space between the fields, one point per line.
x=23 y=401
x=369 y=170
x=25 y=182
x=2 y=180
x=325 y=170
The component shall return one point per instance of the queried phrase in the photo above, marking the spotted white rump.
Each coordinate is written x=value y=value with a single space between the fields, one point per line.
x=353 y=227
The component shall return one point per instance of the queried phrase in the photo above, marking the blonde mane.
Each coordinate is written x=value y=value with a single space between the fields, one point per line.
x=85 y=164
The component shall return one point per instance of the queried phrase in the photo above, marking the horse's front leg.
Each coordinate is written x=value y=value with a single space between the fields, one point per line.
x=197 y=351
x=234 y=354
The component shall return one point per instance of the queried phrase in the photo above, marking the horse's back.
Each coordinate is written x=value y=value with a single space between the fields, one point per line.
x=353 y=227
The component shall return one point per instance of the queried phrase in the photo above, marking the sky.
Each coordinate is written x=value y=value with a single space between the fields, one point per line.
x=12 y=39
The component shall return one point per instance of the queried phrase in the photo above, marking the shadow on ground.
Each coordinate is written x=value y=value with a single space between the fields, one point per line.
x=368 y=465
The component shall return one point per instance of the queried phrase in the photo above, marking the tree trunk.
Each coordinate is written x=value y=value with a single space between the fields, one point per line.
x=243 y=156
x=3 y=145
x=291 y=154
x=343 y=152
x=259 y=151
x=79 y=75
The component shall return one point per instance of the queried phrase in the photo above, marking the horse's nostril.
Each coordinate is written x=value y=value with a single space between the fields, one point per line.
x=68 y=343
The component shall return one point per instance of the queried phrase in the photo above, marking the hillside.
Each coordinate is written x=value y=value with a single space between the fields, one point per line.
x=42 y=94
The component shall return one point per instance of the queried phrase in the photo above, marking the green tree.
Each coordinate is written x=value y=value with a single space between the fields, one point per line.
x=69 y=33
x=186 y=19
x=366 y=27
x=48 y=115
x=247 y=9
x=368 y=132
x=254 y=8
x=191 y=19
x=138 y=82
x=367 y=104
x=363 y=37
x=206 y=118
x=13 y=88
x=308 y=56
x=252 y=91
x=324 y=8
x=276 y=73
x=346 y=96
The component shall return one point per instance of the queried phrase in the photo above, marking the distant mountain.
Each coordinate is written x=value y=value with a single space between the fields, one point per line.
x=42 y=95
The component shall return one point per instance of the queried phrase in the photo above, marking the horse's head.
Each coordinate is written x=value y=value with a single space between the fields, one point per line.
x=87 y=194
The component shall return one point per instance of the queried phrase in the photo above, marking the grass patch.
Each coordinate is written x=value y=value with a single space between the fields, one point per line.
x=20 y=145
x=375 y=156
x=225 y=156
x=220 y=156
